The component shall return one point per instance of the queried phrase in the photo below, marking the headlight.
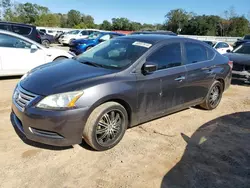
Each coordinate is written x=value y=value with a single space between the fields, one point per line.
x=60 y=101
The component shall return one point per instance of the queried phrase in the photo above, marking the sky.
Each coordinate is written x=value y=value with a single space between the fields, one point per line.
x=144 y=11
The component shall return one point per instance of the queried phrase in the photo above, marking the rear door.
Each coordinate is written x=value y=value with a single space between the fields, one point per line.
x=16 y=55
x=200 y=65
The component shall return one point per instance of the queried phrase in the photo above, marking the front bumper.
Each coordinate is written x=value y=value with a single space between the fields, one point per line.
x=57 y=128
x=241 y=75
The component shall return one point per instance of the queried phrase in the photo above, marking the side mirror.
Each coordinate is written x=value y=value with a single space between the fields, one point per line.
x=228 y=51
x=149 y=67
x=33 y=47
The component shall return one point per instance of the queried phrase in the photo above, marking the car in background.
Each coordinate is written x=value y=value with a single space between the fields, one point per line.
x=46 y=39
x=26 y=30
x=245 y=39
x=81 y=45
x=222 y=47
x=159 y=32
x=241 y=62
x=118 y=84
x=66 y=38
x=19 y=54
x=48 y=31
x=210 y=43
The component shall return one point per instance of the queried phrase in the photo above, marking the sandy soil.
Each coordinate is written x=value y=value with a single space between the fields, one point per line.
x=192 y=148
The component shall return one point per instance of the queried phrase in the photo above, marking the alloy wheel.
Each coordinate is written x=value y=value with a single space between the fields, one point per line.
x=109 y=127
x=214 y=97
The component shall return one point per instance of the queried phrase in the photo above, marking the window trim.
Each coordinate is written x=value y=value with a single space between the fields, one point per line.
x=31 y=29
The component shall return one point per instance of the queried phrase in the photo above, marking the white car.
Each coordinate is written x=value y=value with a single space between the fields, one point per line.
x=66 y=38
x=222 y=47
x=19 y=54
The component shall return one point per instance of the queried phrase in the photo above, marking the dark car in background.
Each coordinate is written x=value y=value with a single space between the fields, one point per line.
x=245 y=39
x=81 y=45
x=117 y=84
x=241 y=62
x=210 y=43
x=46 y=39
x=158 y=32
x=26 y=30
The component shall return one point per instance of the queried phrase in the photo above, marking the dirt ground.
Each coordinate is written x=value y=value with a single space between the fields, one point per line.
x=192 y=148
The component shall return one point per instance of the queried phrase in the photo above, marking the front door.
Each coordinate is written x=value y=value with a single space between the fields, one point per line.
x=16 y=55
x=161 y=91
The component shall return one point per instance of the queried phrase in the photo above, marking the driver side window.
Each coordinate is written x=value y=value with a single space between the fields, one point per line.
x=13 y=42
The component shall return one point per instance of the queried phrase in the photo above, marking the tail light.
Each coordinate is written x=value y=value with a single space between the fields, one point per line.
x=38 y=36
x=230 y=63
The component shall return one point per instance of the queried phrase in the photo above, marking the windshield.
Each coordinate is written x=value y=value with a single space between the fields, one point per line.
x=75 y=32
x=247 y=37
x=94 y=35
x=115 y=54
x=242 y=49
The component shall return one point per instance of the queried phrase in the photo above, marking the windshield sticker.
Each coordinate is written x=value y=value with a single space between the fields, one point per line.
x=142 y=44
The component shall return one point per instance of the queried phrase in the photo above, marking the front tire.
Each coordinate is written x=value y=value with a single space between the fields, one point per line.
x=106 y=126
x=213 y=97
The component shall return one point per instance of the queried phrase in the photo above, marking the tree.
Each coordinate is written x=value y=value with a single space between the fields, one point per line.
x=88 y=21
x=177 y=19
x=106 y=25
x=135 y=26
x=120 y=24
x=4 y=5
x=48 y=20
x=238 y=26
x=74 y=18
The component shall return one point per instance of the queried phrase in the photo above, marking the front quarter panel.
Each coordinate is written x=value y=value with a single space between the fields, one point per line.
x=123 y=89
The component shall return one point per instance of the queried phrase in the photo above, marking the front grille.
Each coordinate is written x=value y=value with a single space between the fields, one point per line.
x=23 y=98
x=238 y=67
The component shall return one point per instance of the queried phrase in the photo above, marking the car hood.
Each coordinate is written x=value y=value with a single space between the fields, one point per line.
x=63 y=76
x=239 y=58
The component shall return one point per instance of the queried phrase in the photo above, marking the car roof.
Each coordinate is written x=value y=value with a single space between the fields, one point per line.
x=15 y=23
x=151 y=38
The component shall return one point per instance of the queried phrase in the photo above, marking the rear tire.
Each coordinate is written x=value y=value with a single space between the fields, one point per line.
x=213 y=97
x=46 y=43
x=106 y=126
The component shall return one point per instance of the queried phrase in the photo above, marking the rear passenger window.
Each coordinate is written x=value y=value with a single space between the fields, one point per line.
x=167 y=56
x=21 y=30
x=195 y=52
x=4 y=27
x=210 y=54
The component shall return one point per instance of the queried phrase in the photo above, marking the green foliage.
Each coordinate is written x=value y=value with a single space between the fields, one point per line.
x=74 y=18
x=106 y=25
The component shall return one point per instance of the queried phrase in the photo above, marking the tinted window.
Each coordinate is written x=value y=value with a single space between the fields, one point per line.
x=13 y=42
x=210 y=54
x=243 y=49
x=167 y=56
x=21 y=30
x=247 y=37
x=114 y=36
x=195 y=52
x=225 y=45
x=43 y=30
x=4 y=26
x=85 y=33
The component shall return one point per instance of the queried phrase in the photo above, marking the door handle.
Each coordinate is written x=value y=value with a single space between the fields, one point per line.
x=180 y=79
